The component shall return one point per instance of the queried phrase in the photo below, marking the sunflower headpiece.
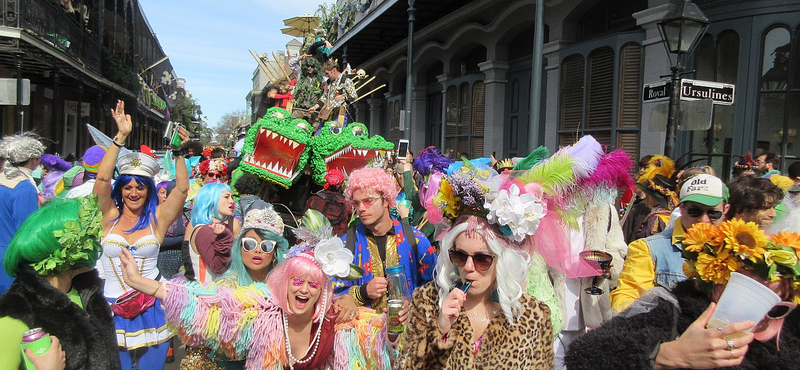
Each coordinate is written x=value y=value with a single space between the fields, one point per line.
x=713 y=252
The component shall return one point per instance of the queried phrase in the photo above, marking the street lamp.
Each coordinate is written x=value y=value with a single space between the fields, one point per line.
x=681 y=29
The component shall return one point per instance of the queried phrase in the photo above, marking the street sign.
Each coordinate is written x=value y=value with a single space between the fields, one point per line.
x=657 y=91
x=719 y=93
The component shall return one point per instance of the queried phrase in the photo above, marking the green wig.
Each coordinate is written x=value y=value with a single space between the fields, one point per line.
x=63 y=235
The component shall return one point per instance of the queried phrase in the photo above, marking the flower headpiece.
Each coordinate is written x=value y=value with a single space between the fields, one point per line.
x=713 y=252
x=78 y=239
x=217 y=165
x=317 y=243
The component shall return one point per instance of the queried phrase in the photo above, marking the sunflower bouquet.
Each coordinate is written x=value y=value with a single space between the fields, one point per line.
x=713 y=252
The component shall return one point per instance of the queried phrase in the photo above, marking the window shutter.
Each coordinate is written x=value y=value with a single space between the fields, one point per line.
x=572 y=93
x=463 y=105
x=629 y=141
x=478 y=118
x=600 y=96
x=630 y=86
x=451 y=116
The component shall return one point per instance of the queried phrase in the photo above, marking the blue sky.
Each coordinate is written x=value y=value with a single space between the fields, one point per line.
x=208 y=44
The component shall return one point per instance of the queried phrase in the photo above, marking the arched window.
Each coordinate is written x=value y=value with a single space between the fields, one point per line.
x=776 y=90
x=717 y=61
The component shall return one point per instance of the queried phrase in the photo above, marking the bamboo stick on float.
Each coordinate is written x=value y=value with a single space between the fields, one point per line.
x=365 y=83
x=367 y=94
x=261 y=64
x=280 y=65
x=276 y=76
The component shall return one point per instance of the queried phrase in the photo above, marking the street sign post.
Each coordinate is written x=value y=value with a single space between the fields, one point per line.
x=691 y=90
x=657 y=91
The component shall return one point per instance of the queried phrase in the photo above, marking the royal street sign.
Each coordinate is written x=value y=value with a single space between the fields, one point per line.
x=719 y=93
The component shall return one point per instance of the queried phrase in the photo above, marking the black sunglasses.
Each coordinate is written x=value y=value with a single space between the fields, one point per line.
x=713 y=214
x=214 y=175
x=249 y=245
x=481 y=261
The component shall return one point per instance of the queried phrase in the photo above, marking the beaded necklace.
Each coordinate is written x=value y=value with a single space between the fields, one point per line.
x=314 y=342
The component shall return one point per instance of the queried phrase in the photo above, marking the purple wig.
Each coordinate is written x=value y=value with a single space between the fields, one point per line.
x=55 y=163
x=430 y=160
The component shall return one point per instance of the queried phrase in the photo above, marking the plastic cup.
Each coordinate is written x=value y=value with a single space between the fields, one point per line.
x=743 y=299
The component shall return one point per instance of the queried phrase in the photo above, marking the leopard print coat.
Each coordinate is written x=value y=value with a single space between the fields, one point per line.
x=526 y=345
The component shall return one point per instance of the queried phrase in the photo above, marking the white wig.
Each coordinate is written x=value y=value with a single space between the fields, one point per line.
x=20 y=148
x=511 y=266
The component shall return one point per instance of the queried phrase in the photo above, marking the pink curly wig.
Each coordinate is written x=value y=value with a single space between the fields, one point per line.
x=280 y=278
x=372 y=179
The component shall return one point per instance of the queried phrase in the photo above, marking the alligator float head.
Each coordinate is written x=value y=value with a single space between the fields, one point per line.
x=345 y=149
x=277 y=147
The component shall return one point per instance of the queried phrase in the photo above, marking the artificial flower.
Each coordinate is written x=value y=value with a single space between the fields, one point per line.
x=780 y=257
x=700 y=234
x=689 y=270
x=520 y=213
x=716 y=269
x=446 y=199
x=744 y=238
x=333 y=257
x=786 y=239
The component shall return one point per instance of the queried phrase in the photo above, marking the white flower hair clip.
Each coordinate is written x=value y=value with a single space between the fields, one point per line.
x=517 y=215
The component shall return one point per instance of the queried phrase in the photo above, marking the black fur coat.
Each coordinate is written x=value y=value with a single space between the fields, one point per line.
x=87 y=336
x=626 y=343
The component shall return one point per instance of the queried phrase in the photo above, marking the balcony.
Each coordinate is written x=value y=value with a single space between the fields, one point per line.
x=47 y=21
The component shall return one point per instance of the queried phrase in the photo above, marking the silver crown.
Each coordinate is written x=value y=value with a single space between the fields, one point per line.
x=138 y=164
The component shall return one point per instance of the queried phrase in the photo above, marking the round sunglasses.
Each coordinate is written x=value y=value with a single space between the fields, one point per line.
x=249 y=245
x=481 y=261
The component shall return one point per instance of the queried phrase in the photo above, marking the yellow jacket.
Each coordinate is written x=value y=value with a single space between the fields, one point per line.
x=639 y=271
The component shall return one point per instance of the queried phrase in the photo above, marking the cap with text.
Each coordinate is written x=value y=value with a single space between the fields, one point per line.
x=705 y=189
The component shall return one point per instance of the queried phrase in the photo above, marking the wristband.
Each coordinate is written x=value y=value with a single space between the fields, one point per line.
x=118 y=145
x=179 y=152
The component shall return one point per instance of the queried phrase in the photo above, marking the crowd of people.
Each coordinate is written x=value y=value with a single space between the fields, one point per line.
x=533 y=263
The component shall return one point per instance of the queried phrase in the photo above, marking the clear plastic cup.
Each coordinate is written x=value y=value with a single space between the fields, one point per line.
x=743 y=299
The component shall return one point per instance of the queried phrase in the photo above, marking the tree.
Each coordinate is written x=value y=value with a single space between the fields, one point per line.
x=188 y=113
x=225 y=131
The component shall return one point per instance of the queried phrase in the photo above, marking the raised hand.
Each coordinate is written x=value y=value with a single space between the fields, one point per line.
x=124 y=123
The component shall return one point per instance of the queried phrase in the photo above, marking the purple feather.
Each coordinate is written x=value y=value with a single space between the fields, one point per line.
x=55 y=163
x=585 y=154
x=613 y=170
x=430 y=160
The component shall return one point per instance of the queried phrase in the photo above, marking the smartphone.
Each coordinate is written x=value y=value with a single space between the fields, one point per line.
x=172 y=134
x=402 y=149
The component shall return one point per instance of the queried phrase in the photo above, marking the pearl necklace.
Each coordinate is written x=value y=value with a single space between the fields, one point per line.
x=314 y=342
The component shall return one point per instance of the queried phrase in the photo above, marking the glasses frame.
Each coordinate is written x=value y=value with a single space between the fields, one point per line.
x=367 y=202
x=298 y=281
x=271 y=243
x=693 y=209
x=478 y=263
x=214 y=175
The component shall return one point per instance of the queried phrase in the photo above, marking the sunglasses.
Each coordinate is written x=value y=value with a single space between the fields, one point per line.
x=781 y=310
x=713 y=214
x=249 y=245
x=481 y=261
x=366 y=202
x=298 y=281
x=214 y=175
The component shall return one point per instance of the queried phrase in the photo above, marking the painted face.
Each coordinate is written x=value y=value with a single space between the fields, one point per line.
x=475 y=262
x=303 y=294
x=225 y=204
x=162 y=196
x=134 y=195
x=369 y=206
x=692 y=213
x=254 y=257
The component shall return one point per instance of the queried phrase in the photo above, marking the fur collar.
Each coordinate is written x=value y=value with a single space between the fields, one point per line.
x=86 y=335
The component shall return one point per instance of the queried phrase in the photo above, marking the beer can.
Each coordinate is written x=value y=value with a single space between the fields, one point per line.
x=37 y=341
x=393 y=316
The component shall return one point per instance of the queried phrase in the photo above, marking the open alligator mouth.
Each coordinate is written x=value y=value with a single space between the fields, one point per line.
x=348 y=159
x=276 y=154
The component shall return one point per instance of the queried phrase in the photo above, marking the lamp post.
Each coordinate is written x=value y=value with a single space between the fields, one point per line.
x=681 y=29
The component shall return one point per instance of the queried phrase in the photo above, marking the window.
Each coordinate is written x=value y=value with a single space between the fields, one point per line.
x=717 y=61
x=778 y=121
x=608 y=107
x=392 y=131
x=464 y=118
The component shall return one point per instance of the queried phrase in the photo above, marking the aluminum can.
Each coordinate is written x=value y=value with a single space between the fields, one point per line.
x=37 y=341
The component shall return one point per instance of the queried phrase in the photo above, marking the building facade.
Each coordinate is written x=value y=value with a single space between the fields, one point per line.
x=80 y=58
x=472 y=66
